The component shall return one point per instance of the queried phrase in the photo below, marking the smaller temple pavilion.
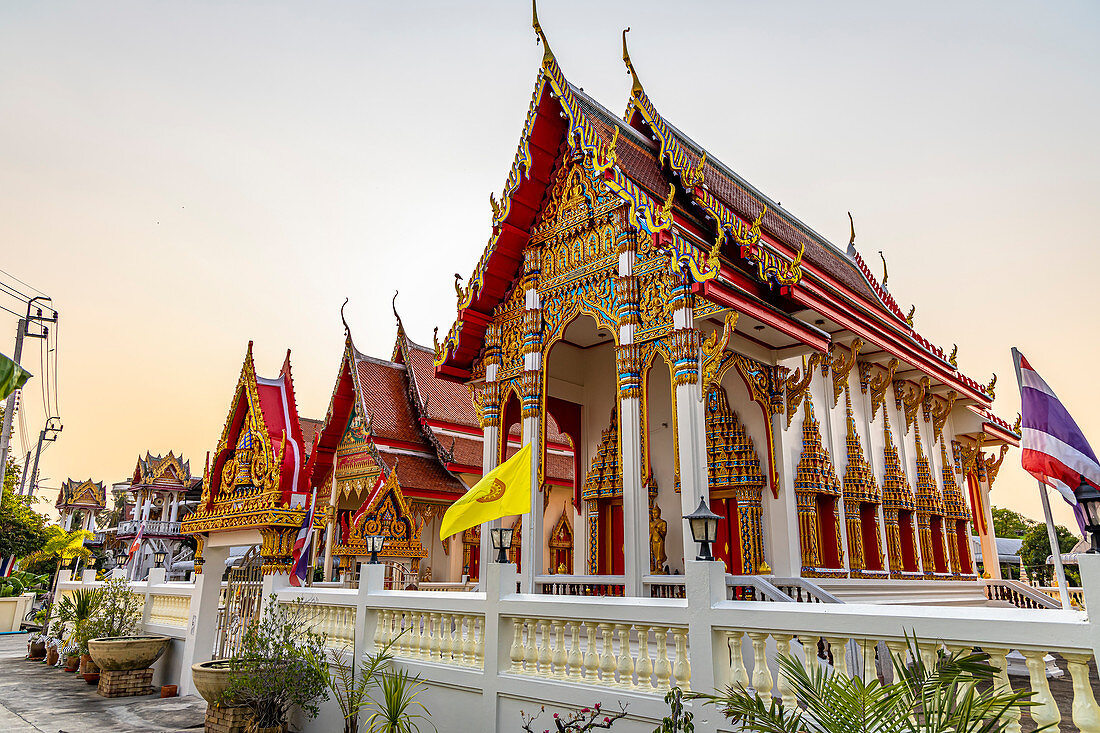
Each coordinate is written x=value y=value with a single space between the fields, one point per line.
x=79 y=503
x=395 y=418
x=256 y=482
x=160 y=493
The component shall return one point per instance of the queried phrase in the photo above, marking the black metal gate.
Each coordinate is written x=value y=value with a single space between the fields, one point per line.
x=243 y=594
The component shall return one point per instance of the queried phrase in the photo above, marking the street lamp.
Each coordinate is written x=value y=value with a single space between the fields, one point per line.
x=121 y=556
x=1089 y=498
x=704 y=529
x=375 y=542
x=158 y=558
x=502 y=542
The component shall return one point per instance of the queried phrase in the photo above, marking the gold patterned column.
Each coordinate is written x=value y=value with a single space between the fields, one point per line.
x=860 y=488
x=896 y=497
x=815 y=475
x=277 y=549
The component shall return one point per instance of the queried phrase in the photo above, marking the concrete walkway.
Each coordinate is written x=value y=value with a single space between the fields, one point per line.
x=34 y=697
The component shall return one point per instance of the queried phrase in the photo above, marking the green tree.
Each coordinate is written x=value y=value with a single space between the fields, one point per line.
x=22 y=529
x=1036 y=549
x=1010 y=524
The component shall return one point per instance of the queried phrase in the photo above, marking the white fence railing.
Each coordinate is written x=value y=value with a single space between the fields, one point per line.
x=485 y=654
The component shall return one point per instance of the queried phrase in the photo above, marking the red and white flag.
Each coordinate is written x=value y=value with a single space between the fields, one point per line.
x=136 y=544
x=302 y=544
x=1054 y=450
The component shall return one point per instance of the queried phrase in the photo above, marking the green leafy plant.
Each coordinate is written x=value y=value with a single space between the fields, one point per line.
x=578 y=721
x=958 y=693
x=117 y=612
x=680 y=721
x=351 y=686
x=273 y=671
x=1035 y=549
x=20 y=582
x=77 y=608
x=396 y=709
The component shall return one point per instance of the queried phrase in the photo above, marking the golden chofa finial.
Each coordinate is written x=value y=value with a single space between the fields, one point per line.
x=547 y=54
x=852 y=241
x=636 y=87
x=885 y=272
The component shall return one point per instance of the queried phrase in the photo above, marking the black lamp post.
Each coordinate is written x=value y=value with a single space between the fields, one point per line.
x=502 y=542
x=1089 y=498
x=704 y=529
x=375 y=543
x=158 y=559
x=121 y=557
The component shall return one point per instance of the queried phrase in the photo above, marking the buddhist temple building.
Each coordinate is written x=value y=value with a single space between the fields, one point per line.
x=694 y=340
x=79 y=504
x=256 y=483
x=161 y=491
x=400 y=445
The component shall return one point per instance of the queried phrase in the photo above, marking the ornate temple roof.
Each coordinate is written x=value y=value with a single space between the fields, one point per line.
x=163 y=472
x=82 y=494
x=737 y=244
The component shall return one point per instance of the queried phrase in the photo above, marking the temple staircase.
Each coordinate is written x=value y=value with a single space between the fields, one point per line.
x=911 y=592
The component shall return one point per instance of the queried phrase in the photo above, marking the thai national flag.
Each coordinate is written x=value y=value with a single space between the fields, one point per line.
x=136 y=544
x=302 y=545
x=1054 y=448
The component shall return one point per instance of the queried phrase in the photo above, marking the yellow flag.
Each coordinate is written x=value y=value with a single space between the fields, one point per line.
x=504 y=491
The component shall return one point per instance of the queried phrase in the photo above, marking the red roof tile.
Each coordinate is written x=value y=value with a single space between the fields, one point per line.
x=385 y=397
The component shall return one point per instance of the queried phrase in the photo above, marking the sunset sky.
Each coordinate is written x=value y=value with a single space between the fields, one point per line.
x=184 y=177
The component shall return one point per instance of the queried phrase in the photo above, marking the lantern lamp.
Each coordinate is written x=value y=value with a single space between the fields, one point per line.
x=1089 y=499
x=375 y=543
x=502 y=542
x=158 y=558
x=704 y=529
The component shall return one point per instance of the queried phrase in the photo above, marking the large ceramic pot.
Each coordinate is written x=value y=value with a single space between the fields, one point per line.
x=211 y=679
x=127 y=652
x=36 y=651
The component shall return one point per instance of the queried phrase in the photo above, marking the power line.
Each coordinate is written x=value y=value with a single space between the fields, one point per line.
x=13 y=277
x=56 y=352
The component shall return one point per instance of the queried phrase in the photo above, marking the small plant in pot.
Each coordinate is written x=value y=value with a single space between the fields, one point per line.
x=36 y=647
x=77 y=609
x=272 y=673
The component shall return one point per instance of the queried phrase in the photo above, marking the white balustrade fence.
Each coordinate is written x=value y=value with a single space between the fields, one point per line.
x=487 y=654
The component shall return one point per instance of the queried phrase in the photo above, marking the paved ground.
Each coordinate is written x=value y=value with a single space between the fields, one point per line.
x=34 y=698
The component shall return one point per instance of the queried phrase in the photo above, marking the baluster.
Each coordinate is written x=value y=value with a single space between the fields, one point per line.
x=626 y=659
x=1046 y=711
x=681 y=669
x=530 y=649
x=545 y=655
x=516 y=652
x=867 y=646
x=591 y=659
x=645 y=663
x=960 y=693
x=574 y=659
x=928 y=655
x=557 y=659
x=436 y=638
x=838 y=647
x=783 y=685
x=445 y=643
x=998 y=660
x=607 y=657
x=469 y=653
x=662 y=669
x=738 y=675
x=809 y=649
x=417 y=635
x=478 y=624
x=761 y=675
x=898 y=651
x=1086 y=713
x=380 y=638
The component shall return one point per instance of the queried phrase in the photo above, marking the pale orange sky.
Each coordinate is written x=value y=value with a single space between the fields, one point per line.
x=184 y=177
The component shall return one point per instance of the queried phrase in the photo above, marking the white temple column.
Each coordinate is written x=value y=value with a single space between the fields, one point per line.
x=174 y=511
x=782 y=545
x=991 y=563
x=68 y=520
x=532 y=544
x=691 y=423
x=490 y=417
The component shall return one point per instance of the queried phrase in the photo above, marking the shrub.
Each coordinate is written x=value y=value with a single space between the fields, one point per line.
x=118 y=612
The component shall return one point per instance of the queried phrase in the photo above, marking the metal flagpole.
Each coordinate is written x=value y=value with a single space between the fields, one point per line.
x=310 y=541
x=1055 y=549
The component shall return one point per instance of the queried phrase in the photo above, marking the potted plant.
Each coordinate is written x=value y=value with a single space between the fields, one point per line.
x=36 y=647
x=113 y=636
x=272 y=673
x=351 y=686
x=70 y=653
x=57 y=633
x=77 y=609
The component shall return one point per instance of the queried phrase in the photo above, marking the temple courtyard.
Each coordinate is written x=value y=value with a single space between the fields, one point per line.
x=34 y=697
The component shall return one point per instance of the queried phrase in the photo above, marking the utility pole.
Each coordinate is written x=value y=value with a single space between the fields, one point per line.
x=23 y=478
x=23 y=329
x=43 y=437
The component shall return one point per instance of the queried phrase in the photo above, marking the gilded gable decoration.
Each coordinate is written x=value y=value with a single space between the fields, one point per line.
x=841 y=367
x=387 y=513
x=798 y=384
x=880 y=384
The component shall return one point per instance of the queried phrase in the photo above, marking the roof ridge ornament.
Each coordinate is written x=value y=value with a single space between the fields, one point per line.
x=852 y=241
x=347 y=329
x=636 y=89
x=547 y=54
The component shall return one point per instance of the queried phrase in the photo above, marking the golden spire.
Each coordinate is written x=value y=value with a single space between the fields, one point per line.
x=636 y=87
x=852 y=241
x=547 y=54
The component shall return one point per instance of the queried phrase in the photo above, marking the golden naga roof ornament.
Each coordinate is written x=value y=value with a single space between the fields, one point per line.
x=495 y=206
x=953 y=360
x=885 y=272
x=852 y=222
x=435 y=341
x=988 y=389
x=712 y=348
x=458 y=289
x=909 y=316
x=547 y=54
x=635 y=88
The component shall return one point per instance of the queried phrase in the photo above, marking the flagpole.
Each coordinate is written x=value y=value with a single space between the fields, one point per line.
x=309 y=540
x=1055 y=550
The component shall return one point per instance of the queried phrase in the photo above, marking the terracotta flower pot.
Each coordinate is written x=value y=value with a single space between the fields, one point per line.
x=127 y=652
x=51 y=656
x=72 y=662
x=37 y=651
x=88 y=669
